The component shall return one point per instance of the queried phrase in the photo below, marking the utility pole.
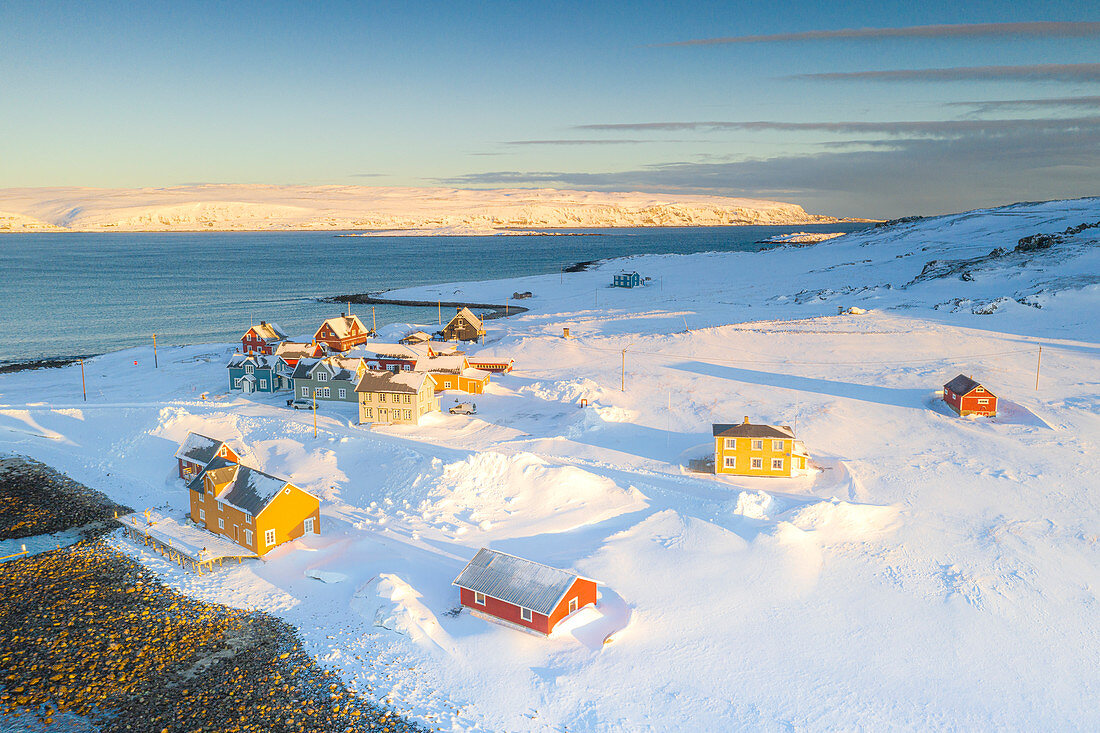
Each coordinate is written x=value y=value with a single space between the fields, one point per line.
x=83 y=384
x=439 y=310
x=561 y=274
x=373 y=321
x=1037 y=363
x=155 y=352
x=314 y=412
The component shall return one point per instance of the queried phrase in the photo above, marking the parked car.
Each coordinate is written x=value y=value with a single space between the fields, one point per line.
x=300 y=404
x=464 y=408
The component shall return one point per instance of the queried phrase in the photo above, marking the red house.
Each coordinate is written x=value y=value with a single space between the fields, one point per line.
x=292 y=351
x=262 y=339
x=520 y=592
x=967 y=397
x=342 y=333
x=196 y=453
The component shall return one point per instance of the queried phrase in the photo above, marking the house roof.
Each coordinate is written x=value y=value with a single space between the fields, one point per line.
x=341 y=326
x=295 y=350
x=416 y=337
x=195 y=484
x=467 y=315
x=515 y=580
x=263 y=361
x=251 y=490
x=453 y=363
x=268 y=331
x=962 y=385
x=397 y=351
x=749 y=430
x=342 y=368
x=199 y=448
x=381 y=380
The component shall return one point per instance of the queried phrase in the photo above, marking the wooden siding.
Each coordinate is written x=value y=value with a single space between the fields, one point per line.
x=743 y=453
x=583 y=590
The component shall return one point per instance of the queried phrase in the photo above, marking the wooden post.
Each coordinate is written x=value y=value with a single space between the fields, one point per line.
x=155 y=365
x=622 y=387
x=373 y=321
x=83 y=384
x=439 y=309
x=1038 y=361
x=314 y=412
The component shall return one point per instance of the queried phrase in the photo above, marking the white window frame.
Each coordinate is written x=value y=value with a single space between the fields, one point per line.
x=758 y=444
x=263 y=384
x=756 y=464
x=479 y=598
x=343 y=393
x=247 y=518
x=730 y=462
x=248 y=538
x=983 y=401
x=777 y=464
x=309 y=525
x=408 y=414
x=525 y=614
x=368 y=413
x=321 y=376
x=573 y=605
x=327 y=391
x=777 y=445
x=202 y=515
x=221 y=522
x=269 y=538
x=305 y=391
x=731 y=443
x=381 y=396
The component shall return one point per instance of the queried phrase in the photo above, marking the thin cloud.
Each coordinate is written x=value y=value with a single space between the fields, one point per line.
x=607 y=141
x=999 y=105
x=1047 y=29
x=1033 y=72
x=930 y=128
x=368 y=175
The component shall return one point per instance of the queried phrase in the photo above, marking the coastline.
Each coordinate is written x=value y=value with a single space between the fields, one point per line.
x=493 y=311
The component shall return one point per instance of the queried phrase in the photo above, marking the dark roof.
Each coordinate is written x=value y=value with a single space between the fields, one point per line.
x=467 y=315
x=251 y=489
x=303 y=367
x=961 y=385
x=749 y=430
x=515 y=580
x=199 y=448
x=195 y=484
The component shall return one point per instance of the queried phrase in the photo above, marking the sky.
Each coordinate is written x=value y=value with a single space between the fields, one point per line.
x=847 y=108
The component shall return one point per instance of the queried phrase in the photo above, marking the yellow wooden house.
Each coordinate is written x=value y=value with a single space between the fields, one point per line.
x=747 y=449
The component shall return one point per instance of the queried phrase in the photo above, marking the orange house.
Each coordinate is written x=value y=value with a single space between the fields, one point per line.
x=453 y=372
x=196 y=453
x=252 y=508
x=522 y=593
x=342 y=333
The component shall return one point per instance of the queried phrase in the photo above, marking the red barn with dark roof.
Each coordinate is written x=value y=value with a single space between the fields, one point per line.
x=967 y=397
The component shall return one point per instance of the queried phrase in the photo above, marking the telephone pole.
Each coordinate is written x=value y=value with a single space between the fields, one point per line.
x=1038 y=361
x=83 y=384
x=155 y=366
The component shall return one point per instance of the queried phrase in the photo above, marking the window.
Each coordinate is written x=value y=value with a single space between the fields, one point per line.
x=202 y=515
x=983 y=402
x=408 y=414
x=572 y=605
x=248 y=537
x=479 y=598
x=757 y=463
x=777 y=445
x=343 y=393
x=307 y=526
x=447 y=384
x=731 y=462
x=525 y=613
x=408 y=398
x=305 y=391
x=731 y=443
x=381 y=396
x=209 y=487
x=368 y=413
x=220 y=507
x=269 y=537
x=979 y=389
x=247 y=518
x=777 y=464
x=758 y=445
x=321 y=376
x=249 y=369
x=237 y=383
x=221 y=523
x=408 y=367
x=263 y=384
x=328 y=392
x=316 y=391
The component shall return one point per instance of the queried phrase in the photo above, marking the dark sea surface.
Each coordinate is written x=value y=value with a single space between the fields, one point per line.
x=75 y=294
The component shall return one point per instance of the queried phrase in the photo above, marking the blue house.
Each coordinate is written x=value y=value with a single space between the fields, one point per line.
x=259 y=373
x=627 y=280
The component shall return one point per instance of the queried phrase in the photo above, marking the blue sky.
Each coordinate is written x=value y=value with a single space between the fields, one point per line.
x=576 y=95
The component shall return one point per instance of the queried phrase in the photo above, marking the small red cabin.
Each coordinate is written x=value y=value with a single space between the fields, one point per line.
x=262 y=339
x=196 y=453
x=520 y=592
x=967 y=397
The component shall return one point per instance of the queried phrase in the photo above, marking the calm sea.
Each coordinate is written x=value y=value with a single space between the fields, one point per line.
x=74 y=294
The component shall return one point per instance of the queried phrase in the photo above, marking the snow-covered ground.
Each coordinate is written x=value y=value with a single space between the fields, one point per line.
x=450 y=211
x=933 y=572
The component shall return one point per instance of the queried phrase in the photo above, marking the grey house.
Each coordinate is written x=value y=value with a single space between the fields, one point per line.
x=333 y=378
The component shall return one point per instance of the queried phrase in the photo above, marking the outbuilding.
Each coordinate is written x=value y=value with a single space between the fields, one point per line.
x=522 y=593
x=197 y=451
x=967 y=397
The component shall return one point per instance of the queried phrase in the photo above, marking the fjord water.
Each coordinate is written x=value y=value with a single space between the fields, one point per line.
x=74 y=293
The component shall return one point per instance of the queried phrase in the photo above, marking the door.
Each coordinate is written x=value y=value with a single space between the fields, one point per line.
x=383 y=414
x=237 y=533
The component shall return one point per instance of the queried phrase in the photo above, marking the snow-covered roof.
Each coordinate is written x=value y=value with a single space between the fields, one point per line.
x=262 y=361
x=195 y=484
x=453 y=363
x=416 y=337
x=963 y=385
x=250 y=489
x=269 y=331
x=749 y=430
x=199 y=448
x=468 y=316
x=399 y=351
x=381 y=380
x=515 y=580
x=294 y=349
x=341 y=325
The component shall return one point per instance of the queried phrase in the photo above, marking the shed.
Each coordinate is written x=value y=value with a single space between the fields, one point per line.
x=968 y=397
x=198 y=451
x=523 y=593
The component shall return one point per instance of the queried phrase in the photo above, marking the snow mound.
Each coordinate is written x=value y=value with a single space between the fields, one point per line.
x=754 y=504
x=500 y=496
x=326 y=576
x=395 y=605
x=841 y=521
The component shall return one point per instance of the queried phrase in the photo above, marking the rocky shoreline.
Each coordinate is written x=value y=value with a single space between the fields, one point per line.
x=492 y=310
x=36 y=499
x=22 y=366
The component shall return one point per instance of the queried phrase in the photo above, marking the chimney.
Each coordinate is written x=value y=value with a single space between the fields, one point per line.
x=746 y=419
x=458 y=309
x=263 y=323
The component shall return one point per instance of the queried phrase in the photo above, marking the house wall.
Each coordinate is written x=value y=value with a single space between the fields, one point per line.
x=273 y=381
x=370 y=404
x=236 y=522
x=285 y=514
x=505 y=611
x=496 y=367
x=446 y=382
x=252 y=344
x=334 y=385
x=744 y=453
x=583 y=590
x=970 y=404
x=188 y=469
x=462 y=330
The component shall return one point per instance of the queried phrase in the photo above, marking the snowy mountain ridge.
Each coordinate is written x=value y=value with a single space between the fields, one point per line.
x=226 y=207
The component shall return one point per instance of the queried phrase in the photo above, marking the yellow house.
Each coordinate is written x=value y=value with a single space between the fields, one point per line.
x=757 y=450
x=252 y=508
x=395 y=397
x=453 y=371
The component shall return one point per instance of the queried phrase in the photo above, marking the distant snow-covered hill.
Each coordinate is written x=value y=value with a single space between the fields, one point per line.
x=448 y=210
